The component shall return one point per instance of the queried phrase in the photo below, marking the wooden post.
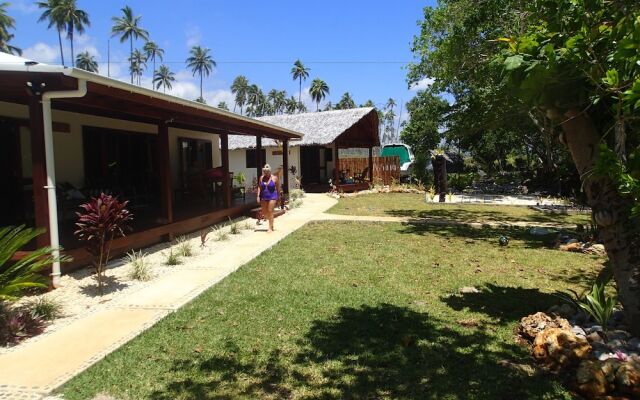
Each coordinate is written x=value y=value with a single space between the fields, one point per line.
x=39 y=168
x=371 y=164
x=259 y=160
x=226 y=183
x=164 y=161
x=336 y=164
x=285 y=166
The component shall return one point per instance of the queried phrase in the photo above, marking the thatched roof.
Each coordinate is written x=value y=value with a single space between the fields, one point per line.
x=353 y=127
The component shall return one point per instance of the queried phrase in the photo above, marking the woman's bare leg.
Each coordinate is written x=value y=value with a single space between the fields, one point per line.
x=272 y=205
x=264 y=207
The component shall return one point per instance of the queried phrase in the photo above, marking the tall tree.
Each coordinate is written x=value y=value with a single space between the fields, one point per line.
x=301 y=73
x=128 y=28
x=49 y=14
x=138 y=63
x=7 y=23
x=368 y=103
x=223 y=106
x=86 y=61
x=291 y=105
x=153 y=51
x=346 y=102
x=74 y=18
x=163 y=78
x=318 y=91
x=200 y=62
x=239 y=88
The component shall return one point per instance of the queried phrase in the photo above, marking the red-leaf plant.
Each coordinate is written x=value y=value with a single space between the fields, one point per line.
x=104 y=218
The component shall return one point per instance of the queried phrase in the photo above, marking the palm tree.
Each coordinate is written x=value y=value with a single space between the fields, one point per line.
x=50 y=15
x=127 y=27
x=163 y=78
x=223 y=106
x=6 y=23
x=391 y=103
x=300 y=72
x=87 y=62
x=346 y=102
x=239 y=87
x=329 y=107
x=74 y=19
x=368 y=103
x=291 y=105
x=253 y=96
x=153 y=51
x=319 y=90
x=302 y=108
x=201 y=63
x=138 y=63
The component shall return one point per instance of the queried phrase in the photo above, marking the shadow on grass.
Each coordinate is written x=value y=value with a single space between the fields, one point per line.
x=467 y=215
x=385 y=351
x=507 y=304
x=485 y=233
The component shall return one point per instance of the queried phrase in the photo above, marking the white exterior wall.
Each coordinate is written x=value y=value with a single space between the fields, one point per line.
x=68 y=150
x=237 y=163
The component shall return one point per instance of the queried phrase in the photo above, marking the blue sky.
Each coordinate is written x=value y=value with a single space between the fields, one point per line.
x=354 y=45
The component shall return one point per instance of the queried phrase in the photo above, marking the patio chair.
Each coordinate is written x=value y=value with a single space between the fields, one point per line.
x=362 y=177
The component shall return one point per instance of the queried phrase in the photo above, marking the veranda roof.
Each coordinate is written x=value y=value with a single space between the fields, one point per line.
x=356 y=127
x=121 y=100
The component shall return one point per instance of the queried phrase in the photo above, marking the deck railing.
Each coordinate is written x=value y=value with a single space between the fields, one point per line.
x=385 y=169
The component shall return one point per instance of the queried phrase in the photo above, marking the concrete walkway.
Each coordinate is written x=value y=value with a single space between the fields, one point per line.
x=46 y=362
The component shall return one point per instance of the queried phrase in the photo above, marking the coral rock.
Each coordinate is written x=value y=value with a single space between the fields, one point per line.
x=531 y=325
x=627 y=378
x=591 y=380
x=558 y=348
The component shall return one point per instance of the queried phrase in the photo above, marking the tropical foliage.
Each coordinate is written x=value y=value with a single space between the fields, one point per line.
x=152 y=52
x=25 y=273
x=318 y=91
x=163 y=78
x=200 y=62
x=87 y=62
x=301 y=73
x=103 y=219
x=127 y=27
x=6 y=24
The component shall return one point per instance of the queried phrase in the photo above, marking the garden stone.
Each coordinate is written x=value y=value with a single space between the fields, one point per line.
x=618 y=315
x=594 y=328
x=591 y=380
x=531 y=325
x=606 y=356
x=594 y=337
x=468 y=290
x=618 y=334
x=578 y=331
x=634 y=344
x=627 y=378
x=616 y=344
x=601 y=347
x=565 y=311
x=558 y=348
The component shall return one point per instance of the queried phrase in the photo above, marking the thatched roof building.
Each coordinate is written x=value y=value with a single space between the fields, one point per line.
x=356 y=127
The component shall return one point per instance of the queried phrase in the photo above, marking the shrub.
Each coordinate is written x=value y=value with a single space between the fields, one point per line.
x=23 y=274
x=104 y=219
x=221 y=234
x=431 y=194
x=172 y=258
x=247 y=224
x=140 y=269
x=17 y=325
x=45 y=309
x=234 y=228
x=296 y=194
x=594 y=303
x=184 y=247
x=204 y=233
x=295 y=204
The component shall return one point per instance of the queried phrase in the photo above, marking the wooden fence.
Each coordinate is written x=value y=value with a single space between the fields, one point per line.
x=385 y=169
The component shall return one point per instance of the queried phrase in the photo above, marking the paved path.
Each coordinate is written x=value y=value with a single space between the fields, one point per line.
x=46 y=362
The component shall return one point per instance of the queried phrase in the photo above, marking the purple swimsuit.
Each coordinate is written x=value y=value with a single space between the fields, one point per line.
x=268 y=190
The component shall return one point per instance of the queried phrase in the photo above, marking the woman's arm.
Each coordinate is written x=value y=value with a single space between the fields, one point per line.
x=258 y=193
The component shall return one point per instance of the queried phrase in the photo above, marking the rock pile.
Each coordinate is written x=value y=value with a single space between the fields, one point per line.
x=602 y=364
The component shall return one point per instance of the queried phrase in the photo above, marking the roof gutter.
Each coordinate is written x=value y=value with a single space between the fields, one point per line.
x=51 y=171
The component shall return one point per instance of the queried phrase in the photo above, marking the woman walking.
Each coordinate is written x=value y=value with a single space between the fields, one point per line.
x=268 y=189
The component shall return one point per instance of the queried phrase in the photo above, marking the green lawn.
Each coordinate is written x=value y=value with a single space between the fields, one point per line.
x=414 y=205
x=358 y=311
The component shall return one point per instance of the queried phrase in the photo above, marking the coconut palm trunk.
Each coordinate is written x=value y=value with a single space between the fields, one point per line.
x=73 y=56
x=201 y=98
x=60 y=43
x=131 y=55
x=611 y=211
x=300 y=91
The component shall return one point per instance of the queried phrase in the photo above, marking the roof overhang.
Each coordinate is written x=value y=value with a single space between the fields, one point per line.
x=116 y=99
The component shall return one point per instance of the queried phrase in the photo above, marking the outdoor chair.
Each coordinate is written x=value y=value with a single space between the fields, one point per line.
x=361 y=177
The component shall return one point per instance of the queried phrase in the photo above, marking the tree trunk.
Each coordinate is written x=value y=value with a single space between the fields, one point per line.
x=61 y=51
x=73 y=57
x=131 y=57
x=611 y=211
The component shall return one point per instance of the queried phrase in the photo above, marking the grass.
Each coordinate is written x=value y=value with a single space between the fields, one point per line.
x=414 y=205
x=352 y=310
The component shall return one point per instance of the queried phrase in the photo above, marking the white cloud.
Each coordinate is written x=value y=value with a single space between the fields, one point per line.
x=422 y=84
x=194 y=36
x=23 y=6
x=86 y=43
x=42 y=52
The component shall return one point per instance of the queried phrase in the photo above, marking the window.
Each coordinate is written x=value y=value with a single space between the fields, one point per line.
x=328 y=155
x=250 y=155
